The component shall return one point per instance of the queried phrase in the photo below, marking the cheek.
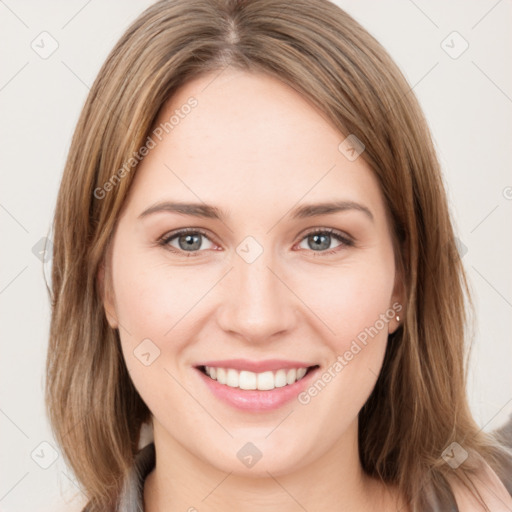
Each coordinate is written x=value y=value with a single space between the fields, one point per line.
x=357 y=311
x=153 y=297
x=367 y=297
x=350 y=300
x=152 y=302
x=159 y=306
x=364 y=323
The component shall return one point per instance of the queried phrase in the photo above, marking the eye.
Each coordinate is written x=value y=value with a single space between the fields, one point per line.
x=188 y=241
x=321 y=240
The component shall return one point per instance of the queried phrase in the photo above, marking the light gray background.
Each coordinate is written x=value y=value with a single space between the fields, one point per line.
x=467 y=102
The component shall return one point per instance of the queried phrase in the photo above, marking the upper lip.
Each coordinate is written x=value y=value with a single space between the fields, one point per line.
x=256 y=366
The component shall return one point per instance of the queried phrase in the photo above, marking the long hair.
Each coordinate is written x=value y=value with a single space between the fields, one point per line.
x=419 y=404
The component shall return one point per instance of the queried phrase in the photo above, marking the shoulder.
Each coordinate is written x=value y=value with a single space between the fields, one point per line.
x=486 y=485
x=493 y=490
x=485 y=492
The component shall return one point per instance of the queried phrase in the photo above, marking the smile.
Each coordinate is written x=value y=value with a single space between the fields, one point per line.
x=263 y=381
x=256 y=386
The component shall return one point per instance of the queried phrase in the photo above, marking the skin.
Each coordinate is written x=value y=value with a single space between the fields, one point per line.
x=256 y=149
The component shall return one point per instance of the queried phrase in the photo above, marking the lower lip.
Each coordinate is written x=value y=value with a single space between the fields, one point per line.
x=256 y=400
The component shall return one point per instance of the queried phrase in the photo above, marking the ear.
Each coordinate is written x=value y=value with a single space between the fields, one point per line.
x=397 y=303
x=107 y=296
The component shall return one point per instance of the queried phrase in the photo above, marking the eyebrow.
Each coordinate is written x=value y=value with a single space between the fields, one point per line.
x=211 y=212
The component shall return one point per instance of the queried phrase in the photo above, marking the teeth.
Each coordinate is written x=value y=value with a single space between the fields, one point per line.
x=247 y=380
x=250 y=380
x=221 y=375
x=266 y=381
x=280 y=379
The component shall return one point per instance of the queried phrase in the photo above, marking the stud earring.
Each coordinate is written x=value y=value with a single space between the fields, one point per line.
x=397 y=318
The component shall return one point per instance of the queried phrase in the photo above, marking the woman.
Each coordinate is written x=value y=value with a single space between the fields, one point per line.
x=254 y=257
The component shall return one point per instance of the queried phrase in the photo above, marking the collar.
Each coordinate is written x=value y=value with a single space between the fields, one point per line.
x=132 y=495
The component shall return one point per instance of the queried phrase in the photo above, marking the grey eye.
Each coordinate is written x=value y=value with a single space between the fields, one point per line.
x=188 y=242
x=320 y=241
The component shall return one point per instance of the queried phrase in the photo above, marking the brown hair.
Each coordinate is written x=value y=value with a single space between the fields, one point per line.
x=419 y=404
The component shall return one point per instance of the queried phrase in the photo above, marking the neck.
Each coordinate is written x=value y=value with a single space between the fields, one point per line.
x=182 y=482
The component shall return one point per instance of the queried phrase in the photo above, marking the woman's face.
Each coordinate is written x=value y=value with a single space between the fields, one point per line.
x=265 y=282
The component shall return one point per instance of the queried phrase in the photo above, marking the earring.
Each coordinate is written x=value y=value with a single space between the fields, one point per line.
x=397 y=318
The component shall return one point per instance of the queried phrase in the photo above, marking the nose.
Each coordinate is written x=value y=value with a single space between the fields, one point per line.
x=257 y=303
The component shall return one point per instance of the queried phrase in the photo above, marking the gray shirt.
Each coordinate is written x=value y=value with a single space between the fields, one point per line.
x=132 y=495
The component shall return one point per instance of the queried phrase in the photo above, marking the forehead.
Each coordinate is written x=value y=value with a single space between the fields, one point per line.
x=248 y=137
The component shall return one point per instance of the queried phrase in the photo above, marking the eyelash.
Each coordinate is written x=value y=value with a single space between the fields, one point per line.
x=346 y=241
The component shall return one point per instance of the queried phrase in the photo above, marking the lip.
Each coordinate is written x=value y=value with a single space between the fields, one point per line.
x=257 y=366
x=256 y=400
